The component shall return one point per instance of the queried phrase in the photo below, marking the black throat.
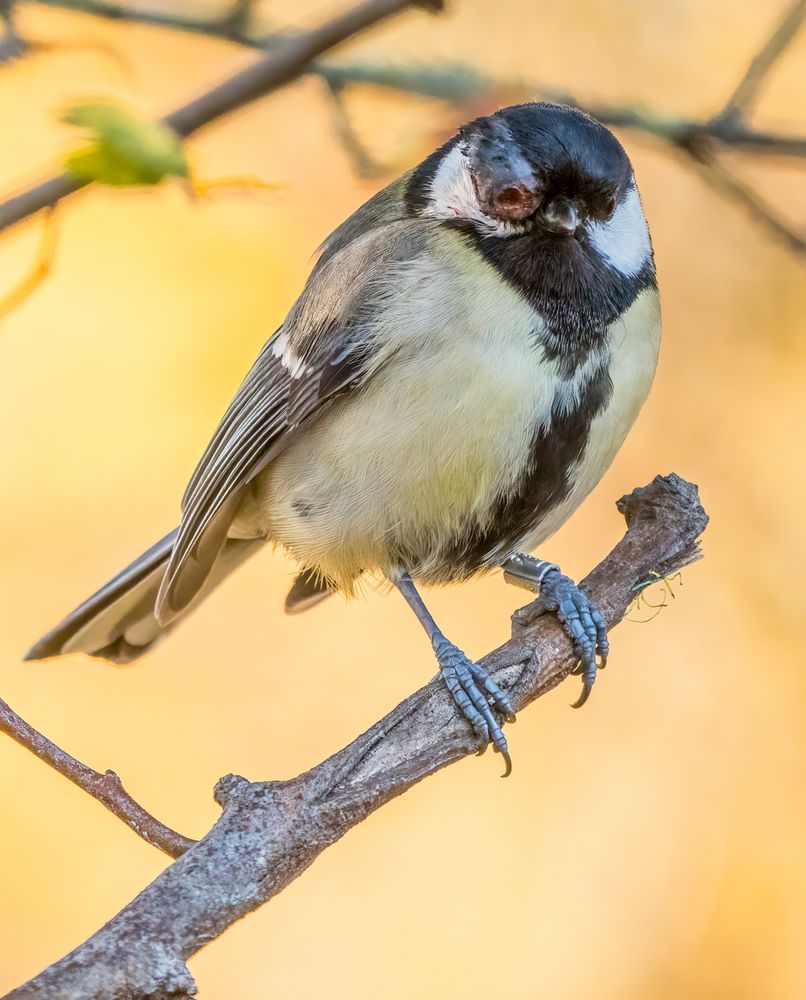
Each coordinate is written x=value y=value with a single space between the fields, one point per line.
x=578 y=296
x=568 y=284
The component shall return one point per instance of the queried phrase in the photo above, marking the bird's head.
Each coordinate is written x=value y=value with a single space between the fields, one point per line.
x=541 y=169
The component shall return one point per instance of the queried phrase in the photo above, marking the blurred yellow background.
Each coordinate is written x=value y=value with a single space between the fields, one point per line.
x=650 y=846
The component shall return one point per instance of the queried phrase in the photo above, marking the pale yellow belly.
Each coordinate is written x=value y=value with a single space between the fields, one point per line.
x=422 y=452
x=407 y=462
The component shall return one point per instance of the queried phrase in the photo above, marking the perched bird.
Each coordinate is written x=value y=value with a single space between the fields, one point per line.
x=463 y=364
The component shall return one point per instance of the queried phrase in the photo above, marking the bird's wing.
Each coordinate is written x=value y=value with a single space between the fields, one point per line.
x=330 y=344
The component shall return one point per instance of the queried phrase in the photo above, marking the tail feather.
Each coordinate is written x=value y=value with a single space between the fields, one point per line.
x=118 y=622
x=307 y=590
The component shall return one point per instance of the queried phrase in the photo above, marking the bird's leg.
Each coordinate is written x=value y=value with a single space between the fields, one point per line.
x=472 y=687
x=576 y=612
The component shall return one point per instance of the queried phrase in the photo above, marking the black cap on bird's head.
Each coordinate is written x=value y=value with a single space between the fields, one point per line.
x=531 y=165
x=544 y=170
x=548 y=161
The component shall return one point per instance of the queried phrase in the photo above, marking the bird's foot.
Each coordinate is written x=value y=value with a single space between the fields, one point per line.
x=478 y=697
x=580 y=618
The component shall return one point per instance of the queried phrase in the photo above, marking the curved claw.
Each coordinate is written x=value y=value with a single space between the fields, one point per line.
x=476 y=694
x=602 y=640
x=580 y=667
x=507 y=762
x=587 y=687
x=583 y=623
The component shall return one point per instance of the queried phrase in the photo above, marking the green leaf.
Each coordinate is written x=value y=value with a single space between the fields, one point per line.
x=123 y=150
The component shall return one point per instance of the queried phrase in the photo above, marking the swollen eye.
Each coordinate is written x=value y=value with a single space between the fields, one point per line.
x=510 y=196
x=515 y=202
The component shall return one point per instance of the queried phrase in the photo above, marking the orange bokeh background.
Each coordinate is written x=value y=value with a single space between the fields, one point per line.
x=650 y=846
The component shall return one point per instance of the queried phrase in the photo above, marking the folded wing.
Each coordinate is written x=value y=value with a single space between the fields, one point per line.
x=330 y=344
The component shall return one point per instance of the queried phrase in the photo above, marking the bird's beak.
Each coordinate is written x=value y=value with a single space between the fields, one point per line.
x=560 y=216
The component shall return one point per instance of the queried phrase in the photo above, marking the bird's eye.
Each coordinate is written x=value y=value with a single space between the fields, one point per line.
x=514 y=202
x=609 y=205
x=509 y=197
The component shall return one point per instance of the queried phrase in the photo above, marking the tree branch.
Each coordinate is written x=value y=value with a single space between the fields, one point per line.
x=107 y=788
x=271 y=831
x=741 y=100
x=721 y=179
x=283 y=64
x=698 y=141
x=12 y=46
x=457 y=84
x=232 y=27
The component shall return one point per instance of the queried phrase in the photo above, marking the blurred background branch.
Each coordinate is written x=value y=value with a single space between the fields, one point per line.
x=234 y=26
x=284 y=63
x=742 y=99
x=699 y=141
x=11 y=44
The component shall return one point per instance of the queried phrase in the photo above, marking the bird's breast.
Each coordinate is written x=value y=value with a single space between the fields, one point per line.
x=440 y=430
x=468 y=436
x=615 y=397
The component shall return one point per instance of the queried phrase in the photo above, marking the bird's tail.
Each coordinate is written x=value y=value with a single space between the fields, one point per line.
x=117 y=623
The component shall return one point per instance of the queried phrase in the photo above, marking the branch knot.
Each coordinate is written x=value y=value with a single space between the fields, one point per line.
x=229 y=788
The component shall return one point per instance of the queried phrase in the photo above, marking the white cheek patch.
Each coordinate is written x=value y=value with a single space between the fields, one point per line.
x=281 y=349
x=623 y=241
x=454 y=197
x=452 y=191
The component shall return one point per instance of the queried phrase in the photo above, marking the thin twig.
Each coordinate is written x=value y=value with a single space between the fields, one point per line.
x=284 y=64
x=361 y=159
x=45 y=195
x=39 y=270
x=270 y=832
x=232 y=27
x=752 y=140
x=741 y=100
x=107 y=788
x=698 y=141
x=457 y=83
x=717 y=175
x=12 y=45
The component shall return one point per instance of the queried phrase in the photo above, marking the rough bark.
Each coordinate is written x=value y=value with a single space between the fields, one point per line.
x=271 y=831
